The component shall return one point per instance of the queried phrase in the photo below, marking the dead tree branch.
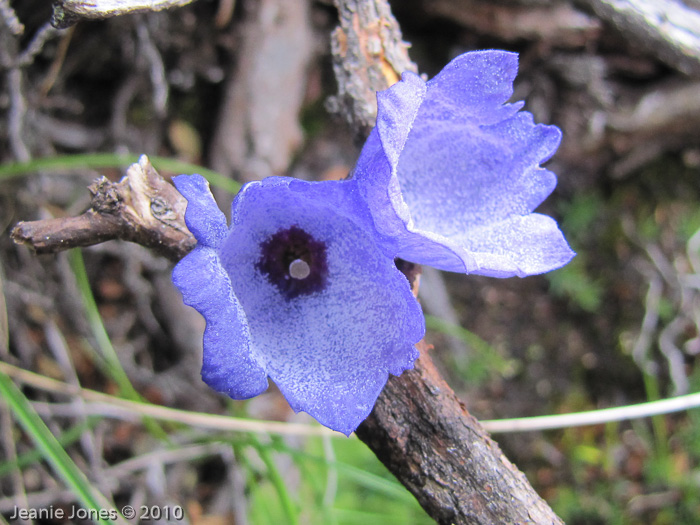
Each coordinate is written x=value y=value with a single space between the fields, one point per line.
x=142 y=208
x=68 y=12
x=418 y=428
x=668 y=29
x=368 y=56
x=422 y=432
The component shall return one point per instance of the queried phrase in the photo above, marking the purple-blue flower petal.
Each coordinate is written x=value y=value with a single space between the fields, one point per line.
x=476 y=85
x=202 y=217
x=462 y=163
x=329 y=352
x=521 y=245
x=399 y=107
x=328 y=340
x=229 y=365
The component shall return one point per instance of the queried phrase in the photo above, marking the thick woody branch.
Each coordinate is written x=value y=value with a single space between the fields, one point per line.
x=142 y=208
x=422 y=432
x=418 y=428
x=368 y=56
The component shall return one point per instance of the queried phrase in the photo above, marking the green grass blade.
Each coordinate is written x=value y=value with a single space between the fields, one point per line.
x=368 y=480
x=468 y=337
x=112 y=160
x=53 y=452
x=26 y=459
x=483 y=361
x=277 y=481
x=114 y=367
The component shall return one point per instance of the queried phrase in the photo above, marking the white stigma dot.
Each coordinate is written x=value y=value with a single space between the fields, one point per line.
x=299 y=269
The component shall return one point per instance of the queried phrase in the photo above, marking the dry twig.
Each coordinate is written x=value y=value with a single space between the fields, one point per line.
x=668 y=29
x=258 y=131
x=68 y=12
x=143 y=208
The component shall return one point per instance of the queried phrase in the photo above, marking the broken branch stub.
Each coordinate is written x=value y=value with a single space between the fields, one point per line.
x=142 y=207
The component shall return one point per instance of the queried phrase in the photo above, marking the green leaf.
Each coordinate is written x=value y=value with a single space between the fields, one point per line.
x=112 y=160
x=52 y=450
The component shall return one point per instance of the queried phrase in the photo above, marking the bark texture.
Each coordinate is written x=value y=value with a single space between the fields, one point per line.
x=143 y=208
x=368 y=56
x=419 y=429
x=422 y=432
x=666 y=28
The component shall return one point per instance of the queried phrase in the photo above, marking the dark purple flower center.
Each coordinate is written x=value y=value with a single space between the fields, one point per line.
x=294 y=262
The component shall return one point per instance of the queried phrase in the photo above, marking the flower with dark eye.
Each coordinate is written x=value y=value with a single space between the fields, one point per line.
x=453 y=173
x=301 y=289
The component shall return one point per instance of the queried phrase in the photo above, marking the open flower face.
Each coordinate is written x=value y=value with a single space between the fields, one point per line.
x=452 y=172
x=301 y=290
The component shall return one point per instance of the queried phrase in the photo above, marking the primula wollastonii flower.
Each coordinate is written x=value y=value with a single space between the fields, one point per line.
x=301 y=290
x=452 y=172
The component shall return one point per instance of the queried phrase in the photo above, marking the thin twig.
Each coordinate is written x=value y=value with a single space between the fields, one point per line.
x=331 y=473
x=43 y=35
x=57 y=63
x=9 y=17
x=68 y=12
x=164 y=456
x=104 y=405
x=673 y=354
x=640 y=352
x=110 y=406
x=39 y=500
x=156 y=69
x=595 y=417
x=10 y=449
x=59 y=348
x=142 y=208
x=16 y=115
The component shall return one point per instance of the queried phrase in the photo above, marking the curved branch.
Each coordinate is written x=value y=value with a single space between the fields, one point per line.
x=422 y=432
x=419 y=429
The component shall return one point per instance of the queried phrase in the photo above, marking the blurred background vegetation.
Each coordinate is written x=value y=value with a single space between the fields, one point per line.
x=242 y=88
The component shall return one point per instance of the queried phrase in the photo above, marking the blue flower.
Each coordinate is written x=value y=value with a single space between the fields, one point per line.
x=452 y=172
x=300 y=289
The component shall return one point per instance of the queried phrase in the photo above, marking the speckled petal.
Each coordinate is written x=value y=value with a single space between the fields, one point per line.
x=229 y=366
x=467 y=164
x=518 y=246
x=476 y=86
x=203 y=217
x=330 y=352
